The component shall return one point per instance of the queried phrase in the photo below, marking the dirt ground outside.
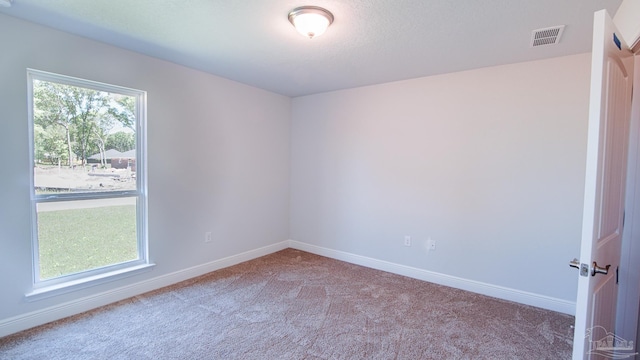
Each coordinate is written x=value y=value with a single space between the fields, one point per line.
x=88 y=178
x=55 y=179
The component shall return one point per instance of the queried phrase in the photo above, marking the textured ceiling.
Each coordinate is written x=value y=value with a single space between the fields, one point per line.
x=370 y=41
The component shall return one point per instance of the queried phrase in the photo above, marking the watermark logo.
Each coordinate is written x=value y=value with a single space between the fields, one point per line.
x=609 y=345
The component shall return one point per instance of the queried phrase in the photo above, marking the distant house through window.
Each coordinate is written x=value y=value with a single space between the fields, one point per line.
x=89 y=182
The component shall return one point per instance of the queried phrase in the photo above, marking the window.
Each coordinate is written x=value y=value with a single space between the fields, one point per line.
x=89 y=182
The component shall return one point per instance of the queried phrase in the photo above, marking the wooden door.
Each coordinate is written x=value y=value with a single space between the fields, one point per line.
x=608 y=133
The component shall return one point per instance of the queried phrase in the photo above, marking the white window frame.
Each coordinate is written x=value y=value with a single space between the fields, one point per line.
x=83 y=279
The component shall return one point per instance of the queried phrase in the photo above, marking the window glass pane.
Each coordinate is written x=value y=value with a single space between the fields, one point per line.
x=84 y=139
x=75 y=236
x=88 y=150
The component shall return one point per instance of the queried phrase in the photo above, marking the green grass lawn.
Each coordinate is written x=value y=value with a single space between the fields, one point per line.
x=76 y=240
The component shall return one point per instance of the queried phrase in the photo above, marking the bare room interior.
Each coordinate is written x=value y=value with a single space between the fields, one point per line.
x=339 y=178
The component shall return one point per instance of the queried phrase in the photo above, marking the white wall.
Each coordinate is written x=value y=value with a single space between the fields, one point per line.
x=489 y=163
x=218 y=157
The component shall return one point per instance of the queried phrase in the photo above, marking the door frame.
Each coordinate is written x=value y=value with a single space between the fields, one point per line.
x=629 y=277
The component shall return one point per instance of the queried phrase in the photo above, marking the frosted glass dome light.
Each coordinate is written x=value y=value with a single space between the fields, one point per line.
x=310 y=21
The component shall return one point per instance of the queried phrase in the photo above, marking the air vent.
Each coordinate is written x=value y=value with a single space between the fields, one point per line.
x=546 y=36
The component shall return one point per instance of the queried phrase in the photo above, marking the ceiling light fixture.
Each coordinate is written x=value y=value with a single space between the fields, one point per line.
x=5 y=3
x=310 y=21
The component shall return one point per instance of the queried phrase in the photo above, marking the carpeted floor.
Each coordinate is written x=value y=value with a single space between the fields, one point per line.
x=296 y=305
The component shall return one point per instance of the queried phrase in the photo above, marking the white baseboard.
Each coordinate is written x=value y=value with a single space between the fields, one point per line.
x=43 y=316
x=500 y=292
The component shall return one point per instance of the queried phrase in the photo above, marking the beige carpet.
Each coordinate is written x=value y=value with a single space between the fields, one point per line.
x=295 y=305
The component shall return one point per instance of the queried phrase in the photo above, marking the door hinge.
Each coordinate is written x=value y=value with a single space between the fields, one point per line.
x=617 y=274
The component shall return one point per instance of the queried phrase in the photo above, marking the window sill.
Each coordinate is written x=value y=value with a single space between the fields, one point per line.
x=74 y=285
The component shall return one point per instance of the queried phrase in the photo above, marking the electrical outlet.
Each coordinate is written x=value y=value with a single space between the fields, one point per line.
x=407 y=240
x=208 y=237
x=431 y=244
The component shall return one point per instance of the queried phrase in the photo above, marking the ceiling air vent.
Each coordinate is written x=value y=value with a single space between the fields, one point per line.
x=546 y=36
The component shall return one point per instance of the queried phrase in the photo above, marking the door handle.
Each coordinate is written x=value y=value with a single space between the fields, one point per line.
x=575 y=263
x=584 y=268
x=595 y=269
